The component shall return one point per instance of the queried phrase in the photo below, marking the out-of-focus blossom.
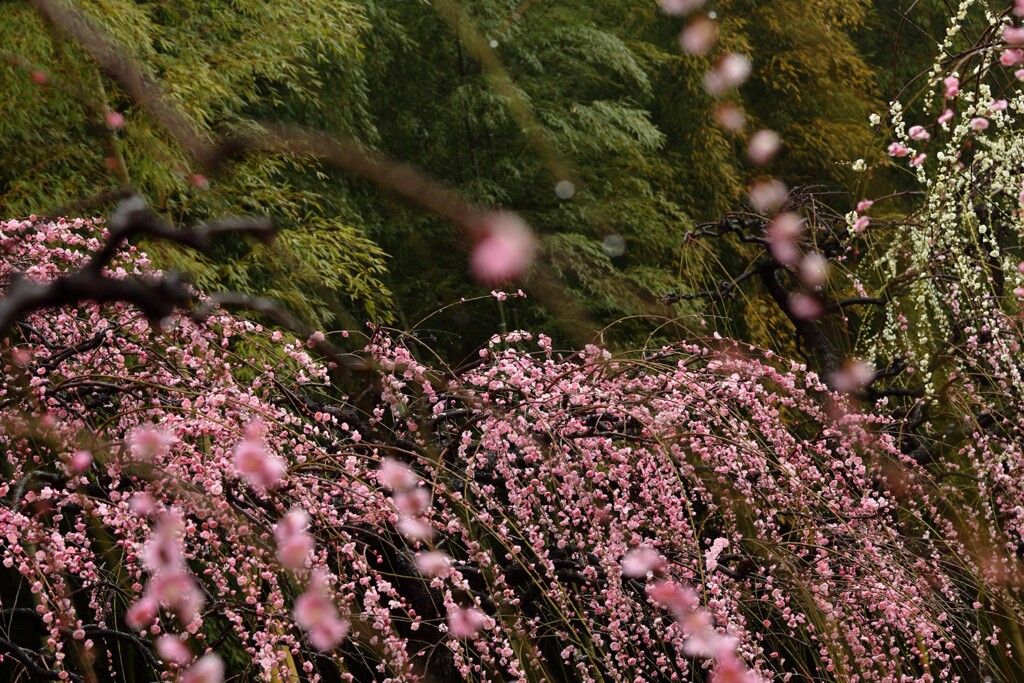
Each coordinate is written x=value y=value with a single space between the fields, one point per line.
x=80 y=461
x=257 y=465
x=638 y=562
x=730 y=72
x=782 y=234
x=396 y=476
x=805 y=306
x=294 y=542
x=1011 y=57
x=853 y=376
x=814 y=269
x=729 y=117
x=898 y=149
x=767 y=195
x=316 y=614
x=171 y=650
x=699 y=36
x=918 y=133
x=114 y=120
x=679 y=7
x=505 y=251
x=952 y=84
x=433 y=563
x=209 y=669
x=764 y=145
x=466 y=622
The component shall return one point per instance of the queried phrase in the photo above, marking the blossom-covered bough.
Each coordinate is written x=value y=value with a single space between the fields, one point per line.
x=198 y=501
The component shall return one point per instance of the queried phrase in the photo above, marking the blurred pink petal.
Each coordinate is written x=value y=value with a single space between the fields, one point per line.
x=171 y=650
x=730 y=117
x=433 y=563
x=81 y=461
x=258 y=466
x=294 y=543
x=396 y=476
x=767 y=196
x=764 y=145
x=506 y=250
x=466 y=623
x=316 y=614
x=699 y=36
x=639 y=561
x=209 y=669
x=678 y=7
x=730 y=72
x=805 y=307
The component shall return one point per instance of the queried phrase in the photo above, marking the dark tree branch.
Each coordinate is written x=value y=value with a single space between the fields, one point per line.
x=37 y=672
x=157 y=298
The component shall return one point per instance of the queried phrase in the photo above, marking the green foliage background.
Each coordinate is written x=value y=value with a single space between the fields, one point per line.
x=604 y=85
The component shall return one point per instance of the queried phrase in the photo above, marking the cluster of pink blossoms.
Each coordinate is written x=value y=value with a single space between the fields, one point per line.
x=536 y=517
